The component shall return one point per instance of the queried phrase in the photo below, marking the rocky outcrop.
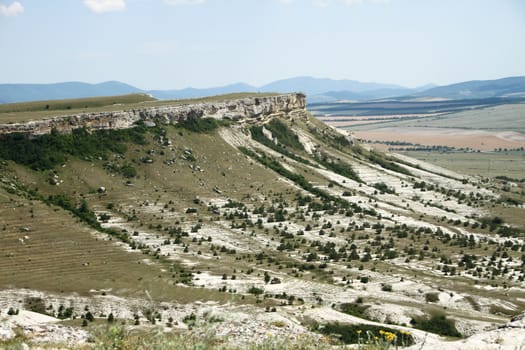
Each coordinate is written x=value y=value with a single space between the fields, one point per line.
x=251 y=108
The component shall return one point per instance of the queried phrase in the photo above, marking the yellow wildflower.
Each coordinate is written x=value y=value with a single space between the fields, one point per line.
x=390 y=336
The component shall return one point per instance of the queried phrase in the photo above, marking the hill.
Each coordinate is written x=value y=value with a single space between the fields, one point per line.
x=267 y=227
x=10 y=93
x=478 y=89
x=319 y=90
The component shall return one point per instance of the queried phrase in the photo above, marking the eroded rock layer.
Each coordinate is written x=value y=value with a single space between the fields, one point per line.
x=241 y=109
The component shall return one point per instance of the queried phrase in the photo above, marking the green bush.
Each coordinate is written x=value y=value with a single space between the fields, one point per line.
x=257 y=135
x=284 y=134
x=432 y=297
x=255 y=291
x=438 y=324
x=199 y=125
x=382 y=187
x=35 y=304
x=387 y=163
x=355 y=334
x=127 y=170
x=47 y=151
x=355 y=309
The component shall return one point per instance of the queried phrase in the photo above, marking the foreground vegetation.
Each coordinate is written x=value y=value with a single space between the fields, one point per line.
x=115 y=337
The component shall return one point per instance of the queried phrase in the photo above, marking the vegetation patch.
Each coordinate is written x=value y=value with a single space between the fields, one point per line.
x=284 y=134
x=335 y=140
x=438 y=324
x=298 y=179
x=387 y=164
x=340 y=168
x=258 y=135
x=201 y=125
x=355 y=309
x=367 y=334
x=68 y=104
x=47 y=151
x=383 y=188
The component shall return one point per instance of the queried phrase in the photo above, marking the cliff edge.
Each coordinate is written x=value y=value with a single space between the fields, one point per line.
x=251 y=108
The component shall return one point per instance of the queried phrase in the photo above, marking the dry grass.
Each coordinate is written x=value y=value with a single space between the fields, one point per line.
x=58 y=245
x=22 y=112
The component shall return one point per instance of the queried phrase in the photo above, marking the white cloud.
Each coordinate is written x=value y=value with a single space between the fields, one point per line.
x=14 y=9
x=100 y=6
x=185 y=2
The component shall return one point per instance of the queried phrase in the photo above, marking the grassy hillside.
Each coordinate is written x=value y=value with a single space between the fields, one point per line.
x=281 y=228
x=74 y=104
x=22 y=112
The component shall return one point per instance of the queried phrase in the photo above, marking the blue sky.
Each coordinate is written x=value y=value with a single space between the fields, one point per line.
x=162 y=44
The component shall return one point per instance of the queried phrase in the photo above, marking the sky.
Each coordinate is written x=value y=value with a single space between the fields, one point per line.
x=172 y=44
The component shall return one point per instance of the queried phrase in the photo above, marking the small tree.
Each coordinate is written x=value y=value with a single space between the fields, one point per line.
x=267 y=277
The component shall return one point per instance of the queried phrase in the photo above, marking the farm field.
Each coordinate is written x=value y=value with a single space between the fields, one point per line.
x=505 y=117
x=486 y=164
x=485 y=141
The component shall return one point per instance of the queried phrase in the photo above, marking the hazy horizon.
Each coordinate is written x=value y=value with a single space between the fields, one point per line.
x=174 y=44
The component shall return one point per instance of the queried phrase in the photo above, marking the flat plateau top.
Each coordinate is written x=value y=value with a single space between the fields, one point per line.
x=27 y=111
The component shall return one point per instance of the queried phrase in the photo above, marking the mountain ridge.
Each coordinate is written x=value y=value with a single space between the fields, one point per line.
x=317 y=89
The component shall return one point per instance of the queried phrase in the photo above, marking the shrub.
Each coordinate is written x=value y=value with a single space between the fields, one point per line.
x=199 y=125
x=355 y=334
x=35 y=304
x=431 y=297
x=255 y=291
x=438 y=324
x=258 y=135
x=387 y=163
x=284 y=134
x=386 y=287
x=128 y=171
x=340 y=168
x=355 y=309
x=382 y=187
x=47 y=151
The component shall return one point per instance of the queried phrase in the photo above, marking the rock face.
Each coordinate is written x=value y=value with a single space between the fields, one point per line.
x=252 y=108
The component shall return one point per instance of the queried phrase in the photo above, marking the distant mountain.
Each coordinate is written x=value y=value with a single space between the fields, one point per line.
x=317 y=90
x=314 y=86
x=193 y=92
x=331 y=96
x=34 y=92
x=506 y=87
